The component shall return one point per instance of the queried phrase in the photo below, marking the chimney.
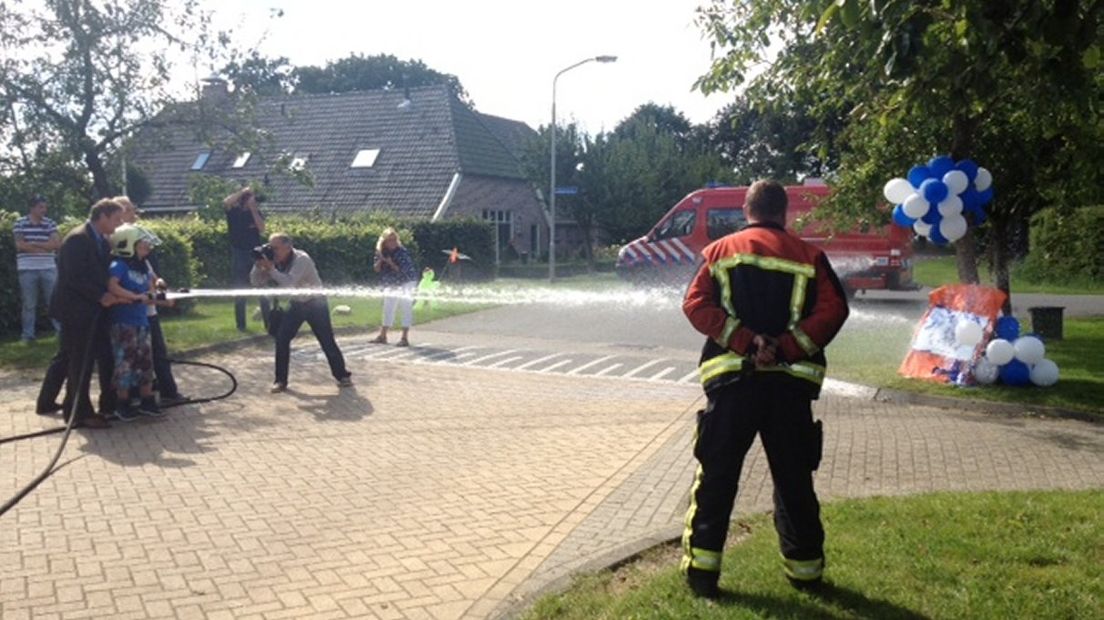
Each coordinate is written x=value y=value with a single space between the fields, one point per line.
x=215 y=90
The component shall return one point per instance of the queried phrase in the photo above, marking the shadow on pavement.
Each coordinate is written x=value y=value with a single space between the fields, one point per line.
x=345 y=406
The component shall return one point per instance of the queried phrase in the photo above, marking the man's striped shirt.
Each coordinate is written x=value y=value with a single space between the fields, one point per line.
x=28 y=231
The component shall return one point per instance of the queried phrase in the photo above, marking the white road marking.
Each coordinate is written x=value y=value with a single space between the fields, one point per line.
x=508 y=360
x=606 y=371
x=537 y=361
x=663 y=373
x=645 y=365
x=489 y=356
x=693 y=374
x=555 y=366
x=580 y=369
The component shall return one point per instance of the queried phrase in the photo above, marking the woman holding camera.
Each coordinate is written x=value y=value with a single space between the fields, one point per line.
x=399 y=277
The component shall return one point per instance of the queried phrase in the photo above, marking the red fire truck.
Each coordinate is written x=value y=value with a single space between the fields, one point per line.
x=880 y=258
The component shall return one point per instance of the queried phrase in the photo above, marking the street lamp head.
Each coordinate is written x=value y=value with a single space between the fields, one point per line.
x=606 y=58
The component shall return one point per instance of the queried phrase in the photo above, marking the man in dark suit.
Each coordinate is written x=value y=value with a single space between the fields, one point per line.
x=79 y=303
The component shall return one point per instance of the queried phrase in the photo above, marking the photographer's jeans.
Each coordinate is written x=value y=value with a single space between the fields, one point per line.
x=316 y=313
x=36 y=285
x=241 y=262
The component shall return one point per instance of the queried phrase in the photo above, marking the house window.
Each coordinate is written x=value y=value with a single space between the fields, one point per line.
x=365 y=158
x=504 y=225
x=242 y=160
x=201 y=160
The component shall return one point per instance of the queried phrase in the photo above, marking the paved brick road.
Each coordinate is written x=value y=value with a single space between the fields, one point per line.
x=428 y=491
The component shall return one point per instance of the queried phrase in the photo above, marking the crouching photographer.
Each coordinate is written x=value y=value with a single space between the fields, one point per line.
x=279 y=263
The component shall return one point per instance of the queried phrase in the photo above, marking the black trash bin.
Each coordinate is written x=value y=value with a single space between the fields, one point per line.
x=1047 y=321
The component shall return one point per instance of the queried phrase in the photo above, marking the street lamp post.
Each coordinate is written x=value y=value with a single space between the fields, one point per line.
x=552 y=186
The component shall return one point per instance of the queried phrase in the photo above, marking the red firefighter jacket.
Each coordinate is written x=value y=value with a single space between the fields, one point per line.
x=763 y=280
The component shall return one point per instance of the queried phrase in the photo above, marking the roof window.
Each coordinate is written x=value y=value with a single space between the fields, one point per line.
x=201 y=160
x=242 y=160
x=365 y=158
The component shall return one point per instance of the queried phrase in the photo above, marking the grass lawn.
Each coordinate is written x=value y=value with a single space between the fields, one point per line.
x=852 y=357
x=940 y=270
x=947 y=555
x=212 y=321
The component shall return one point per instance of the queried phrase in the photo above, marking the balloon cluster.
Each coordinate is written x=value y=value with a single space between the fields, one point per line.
x=935 y=199
x=1014 y=359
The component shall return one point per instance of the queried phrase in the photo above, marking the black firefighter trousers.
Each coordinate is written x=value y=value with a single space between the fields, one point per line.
x=781 y=413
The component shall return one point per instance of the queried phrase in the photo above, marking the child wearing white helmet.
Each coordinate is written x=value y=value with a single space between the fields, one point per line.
x=132 y=284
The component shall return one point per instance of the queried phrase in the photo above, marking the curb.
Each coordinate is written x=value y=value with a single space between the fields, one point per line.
x=513 y=608
x=984 y=406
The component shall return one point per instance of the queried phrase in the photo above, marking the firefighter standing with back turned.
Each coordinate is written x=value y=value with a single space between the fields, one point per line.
x=769 y=303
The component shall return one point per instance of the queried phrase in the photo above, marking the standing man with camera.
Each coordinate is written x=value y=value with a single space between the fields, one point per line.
x=279 y=263
x=246 y=226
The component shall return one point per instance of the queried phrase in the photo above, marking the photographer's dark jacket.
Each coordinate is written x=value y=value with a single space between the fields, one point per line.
x=299 y=272
x=764 y=280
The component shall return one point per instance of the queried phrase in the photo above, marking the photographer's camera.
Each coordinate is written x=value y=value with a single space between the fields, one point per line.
x=262 y=252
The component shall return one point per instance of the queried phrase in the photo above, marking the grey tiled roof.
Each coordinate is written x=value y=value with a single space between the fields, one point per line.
x=422 y=146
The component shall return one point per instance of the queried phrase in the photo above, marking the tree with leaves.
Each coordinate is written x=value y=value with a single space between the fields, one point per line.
x=358 y=72
x=1013 y=85
x=82 y=76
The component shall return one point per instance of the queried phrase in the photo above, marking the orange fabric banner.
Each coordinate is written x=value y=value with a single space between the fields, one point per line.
x=935 y=355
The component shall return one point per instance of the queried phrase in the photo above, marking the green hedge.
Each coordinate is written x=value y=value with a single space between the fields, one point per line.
x=196 y=253
x=1066 y=245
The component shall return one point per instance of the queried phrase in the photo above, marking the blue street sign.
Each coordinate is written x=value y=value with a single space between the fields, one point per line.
x=569 y=190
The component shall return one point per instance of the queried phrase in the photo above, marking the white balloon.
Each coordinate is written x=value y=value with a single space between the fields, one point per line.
x=951 y=205
x=1045 y=373
x=983 y=179
x=1029 y=350
x=897 y=190
x=968 y=333
x=953 y=227
x=922 y=228
x=956 y=181
x=999 y=352
x=915 y=206
x=986 y=372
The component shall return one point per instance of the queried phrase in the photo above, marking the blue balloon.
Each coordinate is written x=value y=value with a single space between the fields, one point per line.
x=940 y=166
x=969 y=167
x=900 y=219
x=934 y=191
x=918 y=174
x=937 y=237
x=979 y=215
x=971 y=198
x=1015 y=373
x=1008 y=328
x=986 y=197
x=933 y=216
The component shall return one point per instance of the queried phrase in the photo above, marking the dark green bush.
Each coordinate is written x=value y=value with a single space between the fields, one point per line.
x=1066 y=245
x=475 y=238
x=9 y=280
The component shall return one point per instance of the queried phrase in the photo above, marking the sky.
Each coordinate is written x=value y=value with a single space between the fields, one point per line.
x=505 y=52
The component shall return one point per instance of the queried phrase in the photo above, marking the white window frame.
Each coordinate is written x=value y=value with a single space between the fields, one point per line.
x=365 y=158
x=242 y=160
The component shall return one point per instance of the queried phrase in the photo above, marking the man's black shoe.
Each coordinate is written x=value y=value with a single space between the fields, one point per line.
x=48 y=409
x=703 y=583
x=806 y=585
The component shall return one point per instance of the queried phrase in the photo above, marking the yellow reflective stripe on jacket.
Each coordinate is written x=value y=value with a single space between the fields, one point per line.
x=797 y=299
x=804 y=340
x=802 y=370
x=770 y=263
x=803 y=570
x=730 y=327
x=725 y=284
x=725 y=362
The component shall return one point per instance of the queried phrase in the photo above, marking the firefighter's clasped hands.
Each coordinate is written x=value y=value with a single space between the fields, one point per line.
x=766 y=350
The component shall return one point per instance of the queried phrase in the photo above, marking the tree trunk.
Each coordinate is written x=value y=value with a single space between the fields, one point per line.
x=101 y=181
x=999 y=251
x=965 y=248
x=588 y=245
